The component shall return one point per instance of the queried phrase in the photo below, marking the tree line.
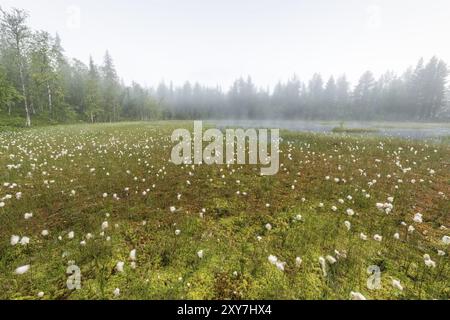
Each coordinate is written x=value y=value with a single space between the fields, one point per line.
x=419 y=94
x=37 y=80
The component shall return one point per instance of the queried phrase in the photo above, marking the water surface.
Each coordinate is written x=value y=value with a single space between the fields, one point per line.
x=407 y=130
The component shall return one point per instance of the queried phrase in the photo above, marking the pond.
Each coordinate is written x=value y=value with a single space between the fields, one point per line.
x=408 y=130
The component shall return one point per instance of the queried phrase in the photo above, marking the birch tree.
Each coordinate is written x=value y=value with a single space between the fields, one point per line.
x=16 y=34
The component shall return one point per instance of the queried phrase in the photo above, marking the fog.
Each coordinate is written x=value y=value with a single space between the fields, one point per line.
x=308 y=60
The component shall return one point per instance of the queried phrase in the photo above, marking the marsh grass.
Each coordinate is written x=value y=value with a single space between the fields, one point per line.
x=354 y=130
x=235 y=263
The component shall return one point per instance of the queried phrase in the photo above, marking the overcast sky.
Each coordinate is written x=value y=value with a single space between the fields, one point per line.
x=214 y=42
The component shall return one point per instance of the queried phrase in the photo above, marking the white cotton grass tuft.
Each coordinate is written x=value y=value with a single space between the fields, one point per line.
x=418 y=218
x=357 y=296
x=24 y=241
x=446 y=240
x=28 y=216
x=177 y=232
x=273 y=259
x=331 y=259
x=105 y=225
x=41 y=294
x=348 y=225
x=268 y=227
x=428 y=262
x=280 y=265
x=44 y=233
x=200 y=254
x=116 y=292
x=350 y=212
x=71 y=235
x=298 y=262
x=323 y=265
x=397 y=285
x=133 y=255
x=119 y=266
x=14 y=240
x=387 y=207
x=378 y=238
x=22 y=269
x=340 y=255
x=362 y=236
x=173 y=209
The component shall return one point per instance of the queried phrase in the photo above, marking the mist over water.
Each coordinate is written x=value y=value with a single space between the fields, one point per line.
x=421 y=131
